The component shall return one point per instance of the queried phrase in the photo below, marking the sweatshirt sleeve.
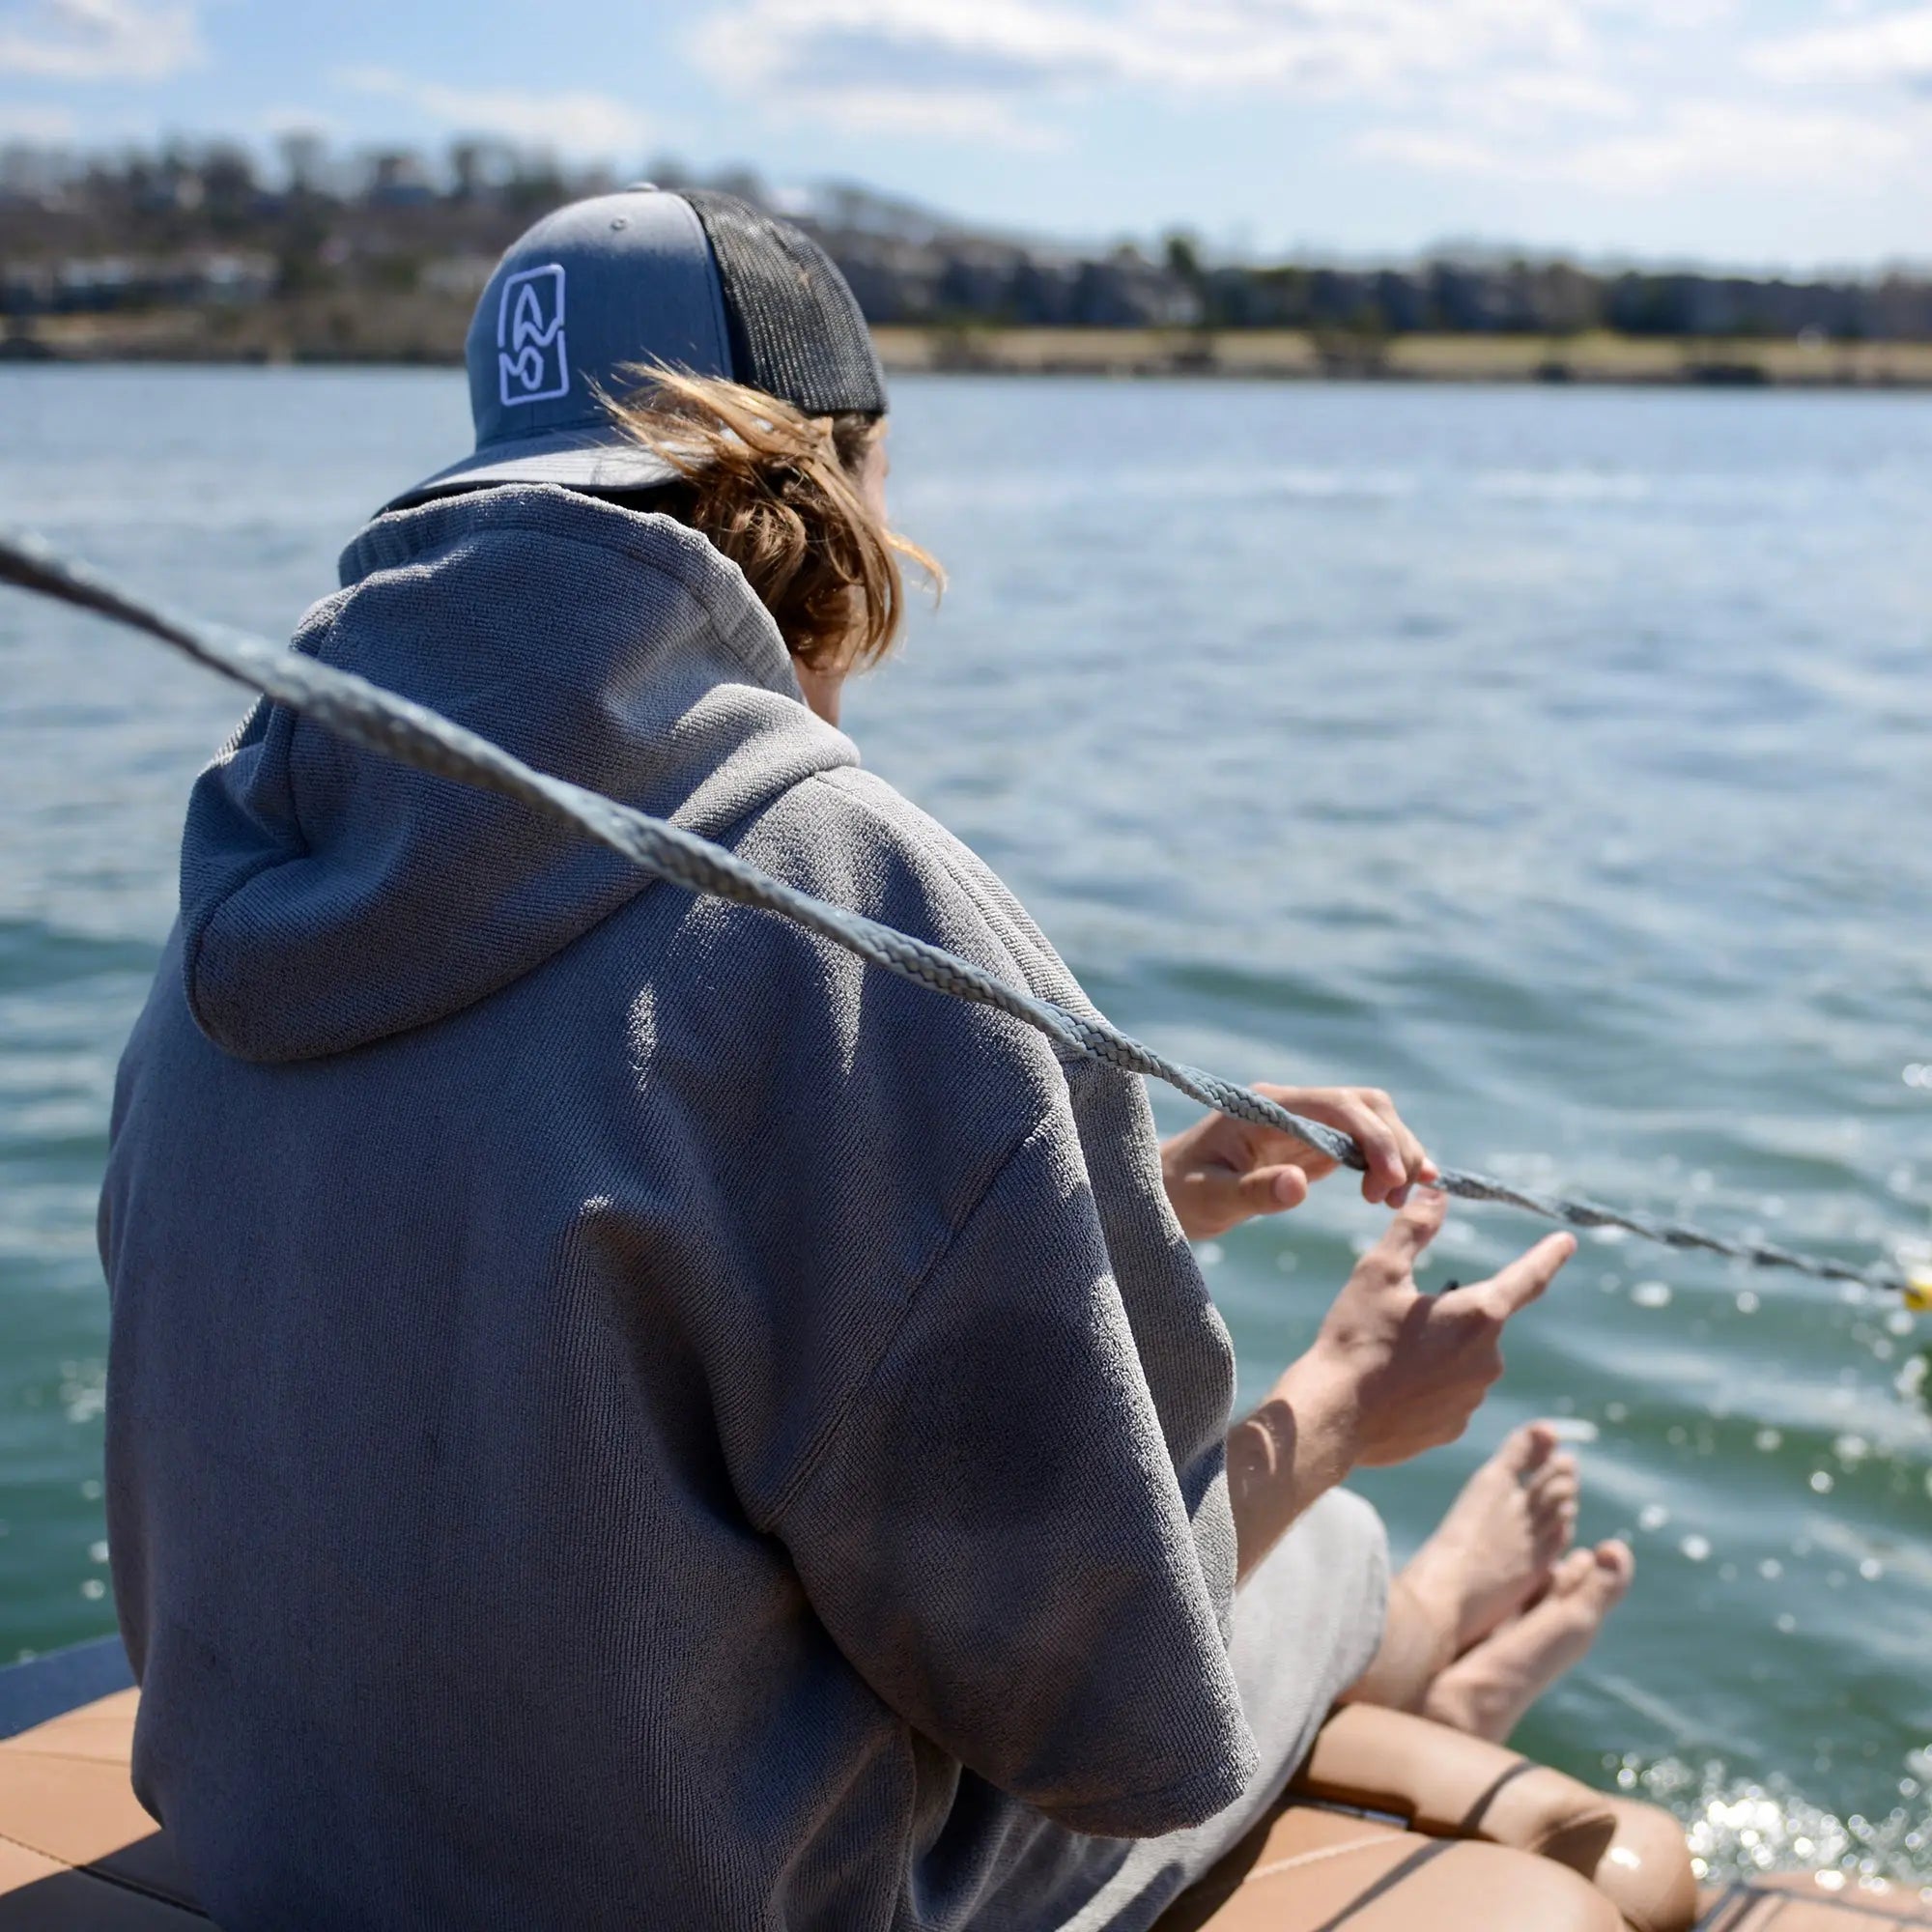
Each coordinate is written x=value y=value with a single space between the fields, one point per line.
x=994 y=1535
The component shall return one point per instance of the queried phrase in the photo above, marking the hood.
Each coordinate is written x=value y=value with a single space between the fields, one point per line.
x=332 y=898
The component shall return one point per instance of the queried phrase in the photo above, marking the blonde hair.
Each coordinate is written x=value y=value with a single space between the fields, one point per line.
x=776 y=490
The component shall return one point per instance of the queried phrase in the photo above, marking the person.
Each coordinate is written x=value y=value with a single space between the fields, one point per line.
x=619 y=1414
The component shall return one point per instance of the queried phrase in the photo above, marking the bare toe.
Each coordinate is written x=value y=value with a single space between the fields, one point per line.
x=1493 y=1551
x=1553 y=1494
x=1611 y=1573
x=1572 y=1573
x=1487 y=1692
x=1528 y=1448
x=1558 y=1474
x=1555 y=1536
x=1565 y=1573
x=1550 y=1500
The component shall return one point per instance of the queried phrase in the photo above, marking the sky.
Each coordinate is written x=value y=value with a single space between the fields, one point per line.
x=1753 y=133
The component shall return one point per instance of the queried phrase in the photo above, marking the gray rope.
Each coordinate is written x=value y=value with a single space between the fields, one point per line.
x=395 y=727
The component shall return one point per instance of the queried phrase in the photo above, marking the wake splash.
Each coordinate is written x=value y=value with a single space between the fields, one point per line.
x=1738 y=1830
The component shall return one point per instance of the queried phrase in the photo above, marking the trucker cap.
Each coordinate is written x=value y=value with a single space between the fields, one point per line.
x=693 y=280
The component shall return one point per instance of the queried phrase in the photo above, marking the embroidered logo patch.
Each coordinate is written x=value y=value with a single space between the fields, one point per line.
x=530 y=358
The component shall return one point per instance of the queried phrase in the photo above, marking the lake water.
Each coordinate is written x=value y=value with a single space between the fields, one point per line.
x=1556 y=759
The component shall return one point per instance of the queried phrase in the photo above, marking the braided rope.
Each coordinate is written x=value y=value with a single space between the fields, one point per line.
x=396 y=727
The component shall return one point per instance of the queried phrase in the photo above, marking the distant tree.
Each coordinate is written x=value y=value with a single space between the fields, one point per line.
x=467 y=178
x=746 y=183
x=667 y=171
x=534 y=187
x=1180 y=251
x=229 y=191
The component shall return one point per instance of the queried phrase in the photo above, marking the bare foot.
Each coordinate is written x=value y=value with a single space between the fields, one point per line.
x=1501 y=1539
x=1486 y=1692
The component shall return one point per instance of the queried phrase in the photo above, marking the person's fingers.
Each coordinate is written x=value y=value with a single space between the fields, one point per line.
x=1514 y=1287
x=1415 y=1162
x=1271 y=1190
x=1412 y=1230
x=1387 y=1172
x=1380 y=1148
x=1218 y=1196
x=1348 y=1110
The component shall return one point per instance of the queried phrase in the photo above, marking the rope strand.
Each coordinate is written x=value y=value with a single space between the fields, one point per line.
x=396 y=727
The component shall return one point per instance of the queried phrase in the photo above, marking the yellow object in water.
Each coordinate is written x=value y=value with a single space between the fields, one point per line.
x=1919 y=1289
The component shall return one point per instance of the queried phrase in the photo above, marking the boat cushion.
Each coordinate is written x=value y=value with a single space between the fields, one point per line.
x=1311 y=1870
x=1827 y=1901
x=1447 y=1785
x=76 y=1850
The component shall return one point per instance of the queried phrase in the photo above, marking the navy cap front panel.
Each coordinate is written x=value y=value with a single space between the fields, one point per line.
x=598 y=285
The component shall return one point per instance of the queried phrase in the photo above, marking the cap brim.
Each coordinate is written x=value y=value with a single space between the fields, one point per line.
x=579 y=459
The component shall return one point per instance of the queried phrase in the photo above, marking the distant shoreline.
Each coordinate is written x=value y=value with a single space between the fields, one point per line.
x=410 y=334
x=1302 y=356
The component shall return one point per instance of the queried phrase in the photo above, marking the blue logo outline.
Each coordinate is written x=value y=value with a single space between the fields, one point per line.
x=526 y=337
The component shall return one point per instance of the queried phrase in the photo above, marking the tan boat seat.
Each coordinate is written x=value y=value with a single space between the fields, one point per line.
x=1466 y=1837
x=1498 y=1844
x=76 y=1850
x=1819 y=1902
x=1310 y=1870
x=1444 y=1785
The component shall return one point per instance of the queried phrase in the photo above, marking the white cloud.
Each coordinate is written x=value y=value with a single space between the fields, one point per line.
x=1692 y=143
x=570 y=122
x=1552 y=93
x=1617 y=98
x=1895 y=47
x=1436 y=152
x=821 y=55
x=98 y=39
x=1000 y=68
x=1709 y=141
x=957 y=117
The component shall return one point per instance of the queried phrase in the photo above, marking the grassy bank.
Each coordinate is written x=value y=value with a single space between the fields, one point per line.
x=421 y=328
x=1296 y=354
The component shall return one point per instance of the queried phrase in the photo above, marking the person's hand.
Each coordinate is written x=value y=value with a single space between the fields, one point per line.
x=1222 y=1171
x=1408 y=1370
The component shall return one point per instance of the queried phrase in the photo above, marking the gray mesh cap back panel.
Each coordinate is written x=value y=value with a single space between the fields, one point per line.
x=796 y=328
